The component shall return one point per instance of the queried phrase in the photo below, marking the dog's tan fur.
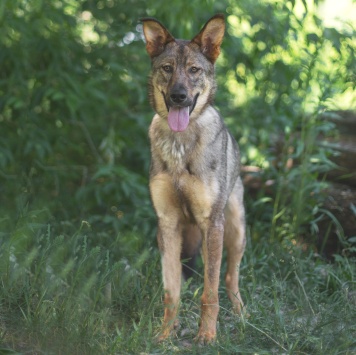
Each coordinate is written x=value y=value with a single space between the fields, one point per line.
x=194 y=179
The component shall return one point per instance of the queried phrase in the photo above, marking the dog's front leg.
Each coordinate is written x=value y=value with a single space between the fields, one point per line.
x=169 y=238
x=170 y=242
x=213 y=232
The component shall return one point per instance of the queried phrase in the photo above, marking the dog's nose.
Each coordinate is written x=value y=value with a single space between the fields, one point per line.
x=178 y=95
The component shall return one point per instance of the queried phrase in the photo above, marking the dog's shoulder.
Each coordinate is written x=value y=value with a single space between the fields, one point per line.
x=210 y=123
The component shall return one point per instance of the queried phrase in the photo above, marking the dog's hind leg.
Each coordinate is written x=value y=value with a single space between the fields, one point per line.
x=234 y=240
x=190 y=249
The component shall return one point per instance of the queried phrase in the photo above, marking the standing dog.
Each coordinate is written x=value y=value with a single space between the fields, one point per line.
x=195 y=185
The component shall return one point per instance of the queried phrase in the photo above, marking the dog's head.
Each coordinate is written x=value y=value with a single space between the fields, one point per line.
x=182 y=79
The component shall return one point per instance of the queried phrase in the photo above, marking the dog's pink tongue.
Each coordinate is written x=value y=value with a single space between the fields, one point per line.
x=178 y=118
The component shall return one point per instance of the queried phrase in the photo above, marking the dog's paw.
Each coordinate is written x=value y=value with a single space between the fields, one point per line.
x=167 y=331
x=205 y=337
x=161 y=337
x=244 y=314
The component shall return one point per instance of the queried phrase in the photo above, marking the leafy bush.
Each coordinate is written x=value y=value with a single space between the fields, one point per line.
x=73 y=105
x=74 y=109
x=74 y=159
x=283 y=70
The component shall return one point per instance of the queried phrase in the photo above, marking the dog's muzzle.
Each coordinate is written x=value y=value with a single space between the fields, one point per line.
x=179 y=109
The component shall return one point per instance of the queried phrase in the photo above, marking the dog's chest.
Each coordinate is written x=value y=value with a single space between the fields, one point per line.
x=174 y=153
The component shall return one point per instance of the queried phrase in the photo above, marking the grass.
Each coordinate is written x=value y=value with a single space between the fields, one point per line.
x=81 y=291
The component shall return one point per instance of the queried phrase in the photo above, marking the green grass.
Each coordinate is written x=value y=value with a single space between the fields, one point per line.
x=54 y=296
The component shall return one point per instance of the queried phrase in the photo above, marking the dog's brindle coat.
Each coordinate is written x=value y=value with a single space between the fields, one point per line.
x=194 y=179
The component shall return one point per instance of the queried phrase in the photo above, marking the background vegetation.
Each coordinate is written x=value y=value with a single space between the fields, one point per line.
x=79 y=267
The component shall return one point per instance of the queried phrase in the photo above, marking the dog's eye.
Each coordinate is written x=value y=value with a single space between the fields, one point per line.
x=194 y=69
x=168 y=68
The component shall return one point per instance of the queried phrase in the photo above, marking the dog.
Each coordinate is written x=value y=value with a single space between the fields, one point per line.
x=195 y=186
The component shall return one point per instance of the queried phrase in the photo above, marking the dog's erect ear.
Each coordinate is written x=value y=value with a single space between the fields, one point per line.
x=157 y=36
x=210 y=37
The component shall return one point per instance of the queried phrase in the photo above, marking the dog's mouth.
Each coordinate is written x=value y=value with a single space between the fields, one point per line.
x=179 y=116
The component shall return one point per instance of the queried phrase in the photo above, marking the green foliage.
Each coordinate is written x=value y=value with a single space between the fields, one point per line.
x=284 y=69
x=73 y=105
x=77 y=263
x=74 y=111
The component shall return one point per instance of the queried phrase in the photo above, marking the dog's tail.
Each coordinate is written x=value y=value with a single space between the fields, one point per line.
x=190 y=250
